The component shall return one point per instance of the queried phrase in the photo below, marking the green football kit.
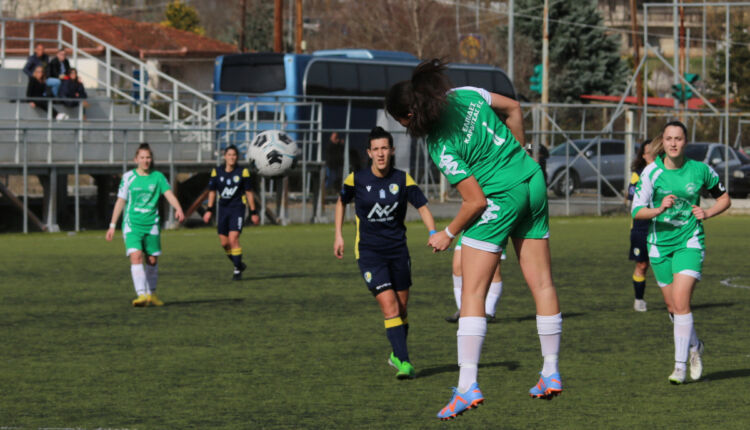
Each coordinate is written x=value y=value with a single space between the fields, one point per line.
x=140 y=223
x=675 y=237
x=471 y=140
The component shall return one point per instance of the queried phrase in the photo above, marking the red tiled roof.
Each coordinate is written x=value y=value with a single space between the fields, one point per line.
x=141 y=39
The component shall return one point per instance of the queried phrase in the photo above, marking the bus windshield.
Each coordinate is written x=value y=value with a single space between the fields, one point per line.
x=260 y=73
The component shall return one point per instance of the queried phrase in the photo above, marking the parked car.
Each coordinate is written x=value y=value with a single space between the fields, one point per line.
x=581 y=173
x=713 y=155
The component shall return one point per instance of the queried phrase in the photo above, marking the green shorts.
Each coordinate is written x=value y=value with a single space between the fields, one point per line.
x=139 y=239
x=666 y=261
x=521 y=212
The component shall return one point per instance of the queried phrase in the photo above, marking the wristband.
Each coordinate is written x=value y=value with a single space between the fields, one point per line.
x=111 y=225
x=448 y=232
x=253 y=212
x=432 y=232
x=210 y=209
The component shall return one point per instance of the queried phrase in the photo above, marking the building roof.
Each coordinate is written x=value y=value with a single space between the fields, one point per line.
x=141 y=39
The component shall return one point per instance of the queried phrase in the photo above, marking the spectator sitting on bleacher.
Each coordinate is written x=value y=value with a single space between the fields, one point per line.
x=57 y=70
x=38 y=59
x=37 y=89
x=72 y=88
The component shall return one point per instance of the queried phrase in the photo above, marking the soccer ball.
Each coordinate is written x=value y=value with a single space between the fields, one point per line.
x=273 y=152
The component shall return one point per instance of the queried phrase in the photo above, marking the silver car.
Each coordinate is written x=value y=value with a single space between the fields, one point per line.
x=582 y=173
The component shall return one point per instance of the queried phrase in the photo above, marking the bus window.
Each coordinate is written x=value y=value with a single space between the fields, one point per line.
x=502 y=85
x=243 y=75
x=371 y=79
x=396 y=74
x=457 y=77
x=318 y=81
x=480 y=79
x=344 y=79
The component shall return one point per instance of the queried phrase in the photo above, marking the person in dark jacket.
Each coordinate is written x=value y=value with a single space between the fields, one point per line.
x=57 y=70
x=72 y=88
x=38 y=59
x=37 y=90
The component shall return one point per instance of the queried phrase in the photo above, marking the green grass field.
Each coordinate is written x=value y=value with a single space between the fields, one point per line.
x=300 y=342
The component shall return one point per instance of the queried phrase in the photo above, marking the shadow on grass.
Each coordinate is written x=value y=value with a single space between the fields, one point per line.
x=711 y=305
x=511 y=365
x=201 y=302
x=564 y=315
x=275 y=276
x=726 y=374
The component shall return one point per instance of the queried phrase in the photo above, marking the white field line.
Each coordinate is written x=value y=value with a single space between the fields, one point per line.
x=729 y=282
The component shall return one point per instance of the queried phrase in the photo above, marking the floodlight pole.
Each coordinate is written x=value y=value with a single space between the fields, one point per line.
x=675 y=47
x=511 y=42
x=278 y=25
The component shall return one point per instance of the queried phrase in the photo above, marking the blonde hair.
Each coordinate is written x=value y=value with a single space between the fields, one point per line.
x=656 y=147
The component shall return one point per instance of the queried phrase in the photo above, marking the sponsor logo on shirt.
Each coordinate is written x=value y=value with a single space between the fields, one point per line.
x=369 y=187
x=383 y=213
x=448 y=165
x=691 y=188
x=382 y=193
x=393 y=188
x=228 y=192
x=489 y=213
x=471 y=119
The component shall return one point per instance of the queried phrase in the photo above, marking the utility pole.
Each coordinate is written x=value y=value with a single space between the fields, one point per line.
x=675 y=47
x=476 y=17
x=278 y=25
x=511 y=41
x=545 y=70
x=458 y=31
x=682 y=58
x=636 y=50
x=243 y=14
x=298 y=26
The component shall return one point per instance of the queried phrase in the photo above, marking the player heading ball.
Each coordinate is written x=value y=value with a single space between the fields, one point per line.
x=504 y=196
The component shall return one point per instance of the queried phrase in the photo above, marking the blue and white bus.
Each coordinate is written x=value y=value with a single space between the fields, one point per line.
x=336 y=78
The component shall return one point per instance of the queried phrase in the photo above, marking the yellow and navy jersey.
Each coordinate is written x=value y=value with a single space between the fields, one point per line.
x=380 y=207
x=636 y=224
x=230 y=186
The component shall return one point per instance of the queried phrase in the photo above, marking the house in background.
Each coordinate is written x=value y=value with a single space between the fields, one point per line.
x=182 y=55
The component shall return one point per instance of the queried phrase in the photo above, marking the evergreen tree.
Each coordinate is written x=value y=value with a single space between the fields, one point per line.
x=583 y=59
x=258 y=26
x=183 y=17
x=739 y=69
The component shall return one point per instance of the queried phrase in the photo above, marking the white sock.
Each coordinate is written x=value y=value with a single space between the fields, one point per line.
x=471 y=331
x=139 y=279
x=694 y=341
x=550 y=330
x=152 y=276
x=683 y=328
x=493 y=296
x=458 y=282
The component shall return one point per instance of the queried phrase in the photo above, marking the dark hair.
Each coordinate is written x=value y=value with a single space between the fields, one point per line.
x=144 y=146
x=232 y=148
x=675 y=123
x=639 y=163
x=423 y=96
x=379 y=133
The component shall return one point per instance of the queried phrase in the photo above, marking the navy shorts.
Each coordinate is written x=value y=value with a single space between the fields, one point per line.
x=230 y=219
x=385 y=271
x=638 y=247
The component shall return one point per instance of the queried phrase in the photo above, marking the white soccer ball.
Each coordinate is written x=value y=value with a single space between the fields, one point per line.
x=273 y=152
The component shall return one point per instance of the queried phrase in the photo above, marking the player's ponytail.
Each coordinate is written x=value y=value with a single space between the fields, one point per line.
x=421 y=99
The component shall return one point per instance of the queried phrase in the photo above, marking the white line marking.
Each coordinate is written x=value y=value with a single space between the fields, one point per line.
x=728 y=283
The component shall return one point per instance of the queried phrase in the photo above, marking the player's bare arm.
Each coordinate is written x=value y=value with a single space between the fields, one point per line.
x=511 y=109
x=473 y=204
x=116 y=212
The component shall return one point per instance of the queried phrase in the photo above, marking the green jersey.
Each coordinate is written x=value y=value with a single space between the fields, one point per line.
x=142 y=195
x=676 y=225
x=472 y=141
